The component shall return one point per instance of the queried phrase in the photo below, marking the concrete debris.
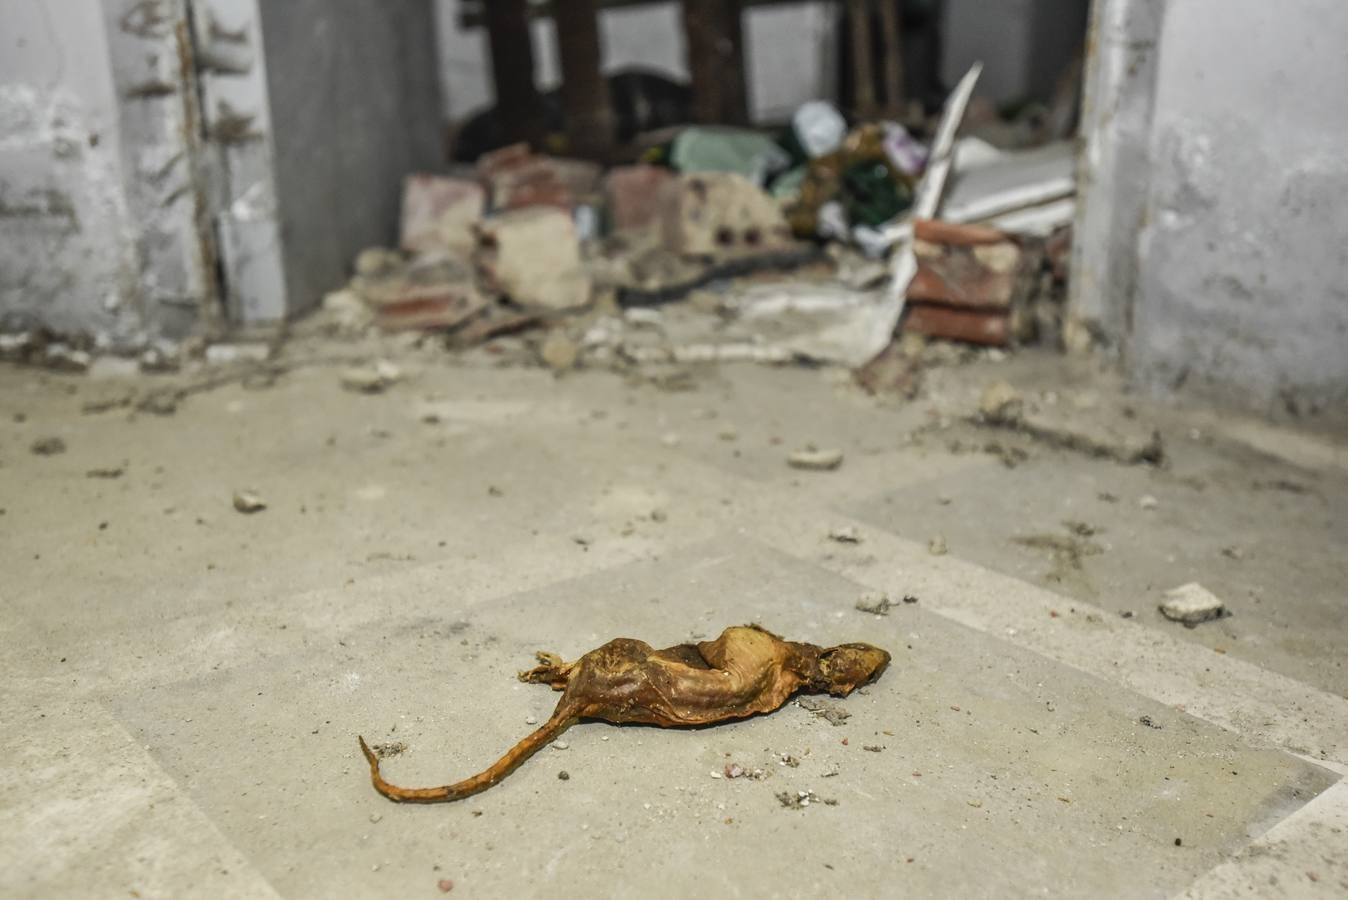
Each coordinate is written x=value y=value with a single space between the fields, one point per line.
x=1192 y=604
x=734 y=770
x=48 y=446
x=876 y=603
x=228 y=354
x=1001 y=404
x=802 y=799
x=812 y=459
x=559 y=352
x=937 y=546
x=346 y=313
x=1027 y=192
x=822 y=709
x=373 y=262
x=439 y=214
x=248 y=502
x=719 y=214
x=371 y=379
x=533 y=256
x=1148 y=502
x=845 y=534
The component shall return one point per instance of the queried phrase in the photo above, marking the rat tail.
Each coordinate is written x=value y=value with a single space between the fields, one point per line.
x=517 y=754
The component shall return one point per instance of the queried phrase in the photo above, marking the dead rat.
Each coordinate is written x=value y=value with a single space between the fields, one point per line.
x=747 y=670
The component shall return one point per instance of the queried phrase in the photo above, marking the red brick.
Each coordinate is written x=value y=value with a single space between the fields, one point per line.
x=633 y=195
x=439 y=213
x=974 y=326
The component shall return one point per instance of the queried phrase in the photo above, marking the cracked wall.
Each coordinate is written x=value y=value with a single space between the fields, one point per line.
x=67 y=249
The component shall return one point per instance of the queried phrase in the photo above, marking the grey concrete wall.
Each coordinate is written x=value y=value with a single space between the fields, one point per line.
x=355 y=105
x=67 y=256
x=1242 y=286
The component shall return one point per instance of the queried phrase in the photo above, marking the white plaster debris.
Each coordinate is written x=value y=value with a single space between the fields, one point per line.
x=1192 y=604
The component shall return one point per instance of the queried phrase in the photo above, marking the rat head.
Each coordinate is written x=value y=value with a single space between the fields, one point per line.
x=847 y=666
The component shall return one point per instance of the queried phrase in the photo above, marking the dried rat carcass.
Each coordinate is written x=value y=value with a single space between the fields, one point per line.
x=746 y=671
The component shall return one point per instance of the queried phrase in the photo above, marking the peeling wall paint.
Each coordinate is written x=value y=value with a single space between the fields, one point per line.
x=67 y=255
x=1243 y=264
x=1210 y=242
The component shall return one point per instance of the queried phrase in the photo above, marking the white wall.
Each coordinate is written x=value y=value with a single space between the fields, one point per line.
x=66 y=249
x=1220 y=126
x=790 y=59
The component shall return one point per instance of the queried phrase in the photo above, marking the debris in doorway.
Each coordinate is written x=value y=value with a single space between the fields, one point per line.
x=248 y=502
x=371 y=379
x=788 y=760
x=813 y=459
x=845 y=534
x=389 y=748
x=627 y=680
x=633 y=194
x=831 y=713
x=937 y=546
x=802 y=799
x=48 y=446
x=876 y=603
x=1192 y=604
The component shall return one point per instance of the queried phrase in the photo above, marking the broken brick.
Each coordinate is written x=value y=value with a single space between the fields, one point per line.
x=633 y=195
x=439 y=213
x=975 y=326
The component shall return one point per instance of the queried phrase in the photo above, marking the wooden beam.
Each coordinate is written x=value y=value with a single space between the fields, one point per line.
x=891 y=32
x=512 y=69
x=863 y=69
x=715 y=41
x=585 y=95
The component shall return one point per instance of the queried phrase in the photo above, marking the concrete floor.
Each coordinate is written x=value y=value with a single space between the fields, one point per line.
x=184 y=683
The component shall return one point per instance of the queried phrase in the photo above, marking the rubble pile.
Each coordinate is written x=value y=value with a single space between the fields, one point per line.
x=831 y=242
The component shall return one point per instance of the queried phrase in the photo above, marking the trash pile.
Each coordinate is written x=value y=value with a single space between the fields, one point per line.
x=827 y=243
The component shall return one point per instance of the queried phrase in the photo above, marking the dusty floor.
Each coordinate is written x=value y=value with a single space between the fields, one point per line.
x=184 y=683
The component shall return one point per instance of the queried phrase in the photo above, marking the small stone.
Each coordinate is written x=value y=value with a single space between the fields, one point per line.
x=877 y=603
x=845 y=534
x=1001 y=403
x=1192 y=604
x=559 y=352
x=376 y=818
x=563 y=775
x=937 y=546
x=531 y=720
x=248 y=502
x=560 y=745
x=371 y=379
x=1147 y=501
x=48 y=446
x=445 y=885
x=812 y=459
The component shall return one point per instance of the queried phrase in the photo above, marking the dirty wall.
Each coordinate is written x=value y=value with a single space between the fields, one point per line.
x=66 y=249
